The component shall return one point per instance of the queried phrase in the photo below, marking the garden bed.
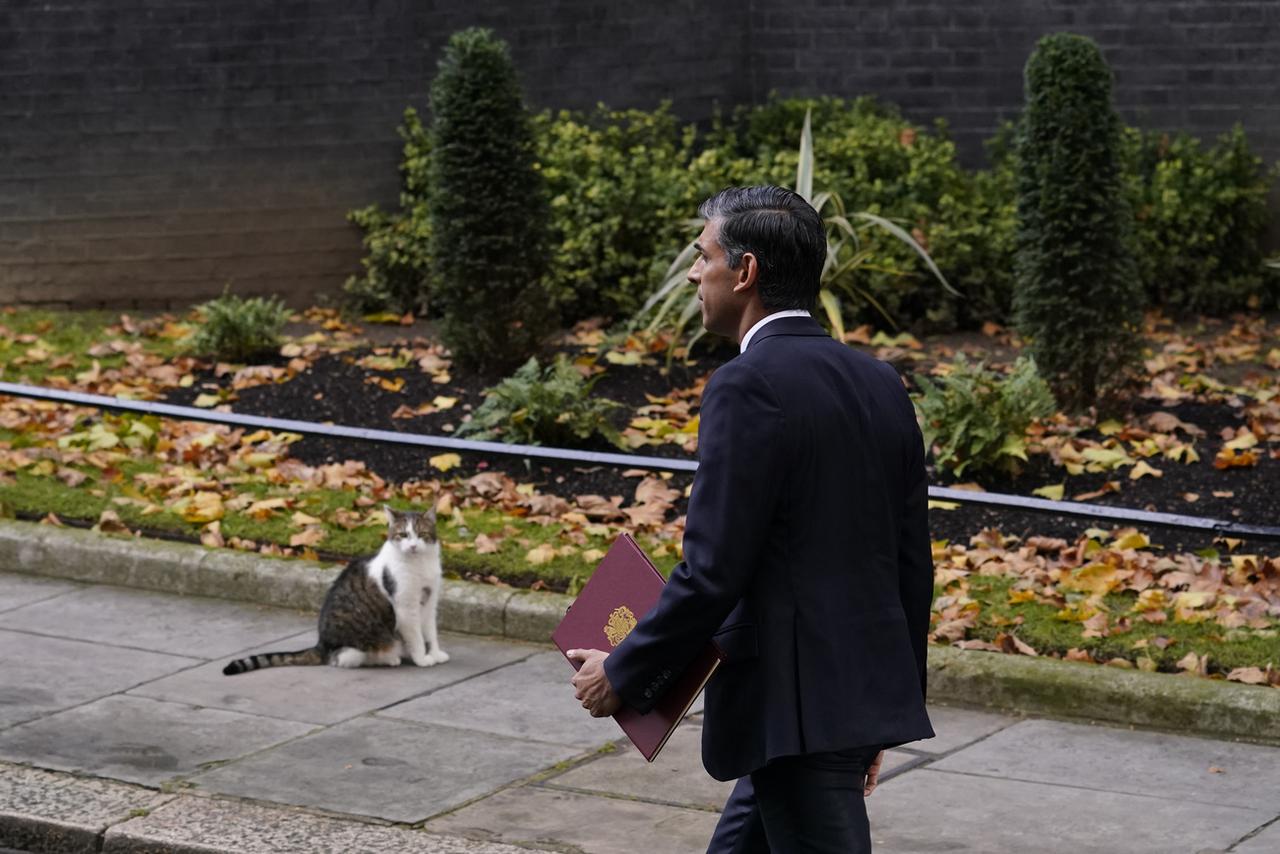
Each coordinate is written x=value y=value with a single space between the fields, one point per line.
x=509 y=520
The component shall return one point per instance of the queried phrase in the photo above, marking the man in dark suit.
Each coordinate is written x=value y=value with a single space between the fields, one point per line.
x=806 y=550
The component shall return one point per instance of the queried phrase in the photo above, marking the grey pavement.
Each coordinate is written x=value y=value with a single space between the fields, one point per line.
x=119 y=733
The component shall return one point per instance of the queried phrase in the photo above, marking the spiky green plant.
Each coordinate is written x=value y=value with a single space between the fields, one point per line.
x=846 y=256
x=235 y=329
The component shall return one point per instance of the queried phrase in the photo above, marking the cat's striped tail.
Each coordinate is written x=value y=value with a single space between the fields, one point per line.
x=274 y=659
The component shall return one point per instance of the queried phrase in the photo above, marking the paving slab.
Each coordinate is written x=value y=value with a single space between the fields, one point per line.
x=1267 y=841
x=141 y=740
x=394 y=770
x=39 y=675
x=955 y=727
x=571 y=821
x=327 y=695
x=926 y=811
x=1117 y=760
x=214 y=825
x=19 y=590
x=159 y=622
x=532 y=700
x=675 y=777
x=45 y=811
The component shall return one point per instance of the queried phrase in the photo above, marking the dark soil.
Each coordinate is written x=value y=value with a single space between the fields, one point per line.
x=335 y=390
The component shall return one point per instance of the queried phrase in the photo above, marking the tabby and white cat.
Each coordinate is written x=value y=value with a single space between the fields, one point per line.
x=380 y=609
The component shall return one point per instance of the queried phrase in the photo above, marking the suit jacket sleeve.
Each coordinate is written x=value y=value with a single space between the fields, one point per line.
x=734 y=494
x=915 y=550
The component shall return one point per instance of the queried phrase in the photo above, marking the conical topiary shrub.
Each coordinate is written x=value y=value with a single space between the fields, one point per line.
x=487 y=207
x=1078 y=299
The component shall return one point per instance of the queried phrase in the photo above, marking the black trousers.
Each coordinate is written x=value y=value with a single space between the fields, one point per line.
x=810 y=804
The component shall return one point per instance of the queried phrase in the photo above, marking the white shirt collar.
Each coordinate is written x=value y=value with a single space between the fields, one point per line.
x=777 y=315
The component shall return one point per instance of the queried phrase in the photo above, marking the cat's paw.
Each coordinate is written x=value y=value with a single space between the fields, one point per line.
x=348 y=658
x=437 y=656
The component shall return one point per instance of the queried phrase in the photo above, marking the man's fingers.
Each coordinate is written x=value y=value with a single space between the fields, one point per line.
x=873 y=775
x=575 y=655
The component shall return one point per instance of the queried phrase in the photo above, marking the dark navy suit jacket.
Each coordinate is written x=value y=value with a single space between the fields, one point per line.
x=806 y=556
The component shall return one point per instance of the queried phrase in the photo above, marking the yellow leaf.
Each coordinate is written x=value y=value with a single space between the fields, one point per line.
x=1110 y=427
x=1014 y=446
x=1243 y=442
x=541 y=554
x=1106 y=458
x=631 y=357
x=1141 y=469
x=1095 y=578
x=205 y=401
x=1151 y=599
x=1133 y=540
x=1053 y=492
x=1017 y=597
x=943 y=505
x=444 y=462
x=300 y=519
x=205 y=440
x=259 y=460
x=442 y=402
x=592 y=555
x=204 y=507
x=261 y=510
x=392 y=385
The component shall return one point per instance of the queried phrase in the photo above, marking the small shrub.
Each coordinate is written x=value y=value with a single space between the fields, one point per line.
x=1078 y=299
x=397 y=262
x=235 y=329
x=536 y=406
x=976 y=419
x=616 y=181
x=487 y=207
x=1200 y=214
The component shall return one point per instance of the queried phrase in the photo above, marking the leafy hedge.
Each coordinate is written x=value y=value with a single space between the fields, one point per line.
x=623 y=185
x=1200 y=214
x=618 y=198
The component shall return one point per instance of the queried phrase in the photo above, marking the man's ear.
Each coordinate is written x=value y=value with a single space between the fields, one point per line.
x=748 y=272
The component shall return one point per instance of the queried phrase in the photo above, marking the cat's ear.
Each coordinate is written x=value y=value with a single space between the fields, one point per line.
x=391 y=514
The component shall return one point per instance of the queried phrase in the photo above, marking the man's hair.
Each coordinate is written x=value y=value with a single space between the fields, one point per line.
x=782 y=231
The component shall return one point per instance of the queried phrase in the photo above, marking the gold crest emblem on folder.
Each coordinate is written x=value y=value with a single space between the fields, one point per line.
x=621 y=622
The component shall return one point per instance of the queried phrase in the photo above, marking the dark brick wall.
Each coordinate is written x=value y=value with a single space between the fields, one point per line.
x=154 y=151
x=1195 y=66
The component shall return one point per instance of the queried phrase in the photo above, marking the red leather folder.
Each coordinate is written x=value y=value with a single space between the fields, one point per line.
x=624 y=587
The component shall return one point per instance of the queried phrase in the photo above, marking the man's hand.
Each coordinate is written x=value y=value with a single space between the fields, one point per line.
x=873 y=775
x=591 y=685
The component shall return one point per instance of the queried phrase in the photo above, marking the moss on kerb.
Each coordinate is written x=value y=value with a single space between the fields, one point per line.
x=1040 y=686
